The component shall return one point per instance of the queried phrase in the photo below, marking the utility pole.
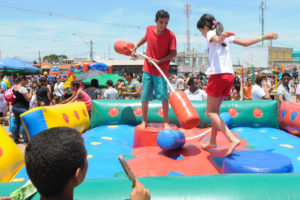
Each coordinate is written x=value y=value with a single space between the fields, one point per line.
x=262 y=6
x=40 y=59
x=187 y=9
x=92 y=54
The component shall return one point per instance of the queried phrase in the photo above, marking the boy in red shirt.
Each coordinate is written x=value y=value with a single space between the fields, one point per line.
x=161 y=48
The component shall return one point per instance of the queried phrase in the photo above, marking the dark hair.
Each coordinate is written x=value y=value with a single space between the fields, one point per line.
x=109 y=83
x=41 y=81
x=285 y=74
x=260 y=77
x=208 y=20
x=191 y=81
x=52 y=158
x=129 y=74
x=162 y=14
x=2 y=75
x=76 y=84
x=94 y=83
x=20 y=78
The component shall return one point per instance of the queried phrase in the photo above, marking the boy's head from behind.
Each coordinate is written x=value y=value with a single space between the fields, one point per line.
x=56 y=159
x=162 y=19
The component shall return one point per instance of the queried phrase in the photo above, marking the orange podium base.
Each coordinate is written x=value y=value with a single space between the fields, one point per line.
x=147 y=136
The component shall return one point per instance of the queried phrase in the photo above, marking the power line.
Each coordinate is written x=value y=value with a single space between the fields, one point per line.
x=49 y=13
x=44 y=39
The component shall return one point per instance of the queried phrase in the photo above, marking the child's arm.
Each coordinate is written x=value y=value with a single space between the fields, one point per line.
x=172 y=54
x=245 y=43
x=220 y=39
x=71 y=99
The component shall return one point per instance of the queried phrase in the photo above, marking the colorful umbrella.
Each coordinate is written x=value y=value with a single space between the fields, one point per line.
x=10 y=65
x=102 y=79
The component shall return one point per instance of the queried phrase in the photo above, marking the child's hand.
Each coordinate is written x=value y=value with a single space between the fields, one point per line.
x=139 y=192
x=270 y=36
x=154 y=60
x=133 y=56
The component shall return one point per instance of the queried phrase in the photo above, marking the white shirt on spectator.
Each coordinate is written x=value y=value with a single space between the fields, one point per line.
x=257 y=93
x=111 y=93
x=199 y=95
x=298 y=89
x=59 y=89
x=284 y=91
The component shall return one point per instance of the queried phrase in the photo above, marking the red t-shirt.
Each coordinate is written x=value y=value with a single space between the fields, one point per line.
x=158 y=47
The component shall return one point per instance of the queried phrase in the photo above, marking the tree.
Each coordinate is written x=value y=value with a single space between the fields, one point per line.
x=53 y=58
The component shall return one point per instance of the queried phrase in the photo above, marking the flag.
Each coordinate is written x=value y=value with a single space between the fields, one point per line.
x=67 y=84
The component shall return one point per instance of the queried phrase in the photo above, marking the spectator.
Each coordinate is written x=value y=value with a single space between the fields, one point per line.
x=110 y=93
x=93 y=91
x=283 y=90
x=43 y=94
x=133 y=88
x=298 y=94
x=260 y=89
x=59 y=89
x=237 y=88
x=79 y=95
x=120 y=86
x=247 y=89
x=20 y=105
x=33 y=98
x=56 y=163
x=2 y=82
x=179 y=84
x=193 y=92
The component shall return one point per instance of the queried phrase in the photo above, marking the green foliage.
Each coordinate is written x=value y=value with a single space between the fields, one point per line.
x=53 y=58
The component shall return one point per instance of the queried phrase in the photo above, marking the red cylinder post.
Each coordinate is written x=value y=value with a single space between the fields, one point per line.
x=86 y=67
x=184 y=110
x=147 y=136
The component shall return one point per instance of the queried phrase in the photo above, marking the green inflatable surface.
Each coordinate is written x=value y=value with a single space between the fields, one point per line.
x=225 y=187
x=245 y=113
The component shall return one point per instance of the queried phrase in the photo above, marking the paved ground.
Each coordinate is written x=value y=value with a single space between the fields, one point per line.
x=21 y=146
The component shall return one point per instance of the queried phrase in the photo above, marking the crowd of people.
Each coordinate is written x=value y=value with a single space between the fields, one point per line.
x=32 y=92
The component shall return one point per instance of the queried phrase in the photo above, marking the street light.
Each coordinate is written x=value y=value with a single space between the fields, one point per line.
x=87 y=44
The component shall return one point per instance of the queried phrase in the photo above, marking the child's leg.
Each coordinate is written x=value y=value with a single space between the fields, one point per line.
x=161 y=92
x=147 y=95
x=212 y=113
x=214 y=131
x=144 y=113
x=165 y=106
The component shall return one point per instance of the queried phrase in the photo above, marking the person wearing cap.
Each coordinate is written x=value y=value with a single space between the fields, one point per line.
x=110 y=93
x=284 y=91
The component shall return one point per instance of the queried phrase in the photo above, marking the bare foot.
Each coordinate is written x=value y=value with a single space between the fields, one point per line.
x=143 y=125
x=208 y=146
x=232 y=146
x=166 y=125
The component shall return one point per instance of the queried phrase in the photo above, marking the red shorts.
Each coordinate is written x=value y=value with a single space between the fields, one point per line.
x=219 y=85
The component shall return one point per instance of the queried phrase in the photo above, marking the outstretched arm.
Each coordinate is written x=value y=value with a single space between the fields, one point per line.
x=246 y=43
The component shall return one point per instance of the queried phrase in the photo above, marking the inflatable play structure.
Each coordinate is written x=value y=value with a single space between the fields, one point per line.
x=188 y=171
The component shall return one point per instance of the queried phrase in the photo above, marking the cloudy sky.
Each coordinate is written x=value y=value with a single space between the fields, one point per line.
x=66 y=27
